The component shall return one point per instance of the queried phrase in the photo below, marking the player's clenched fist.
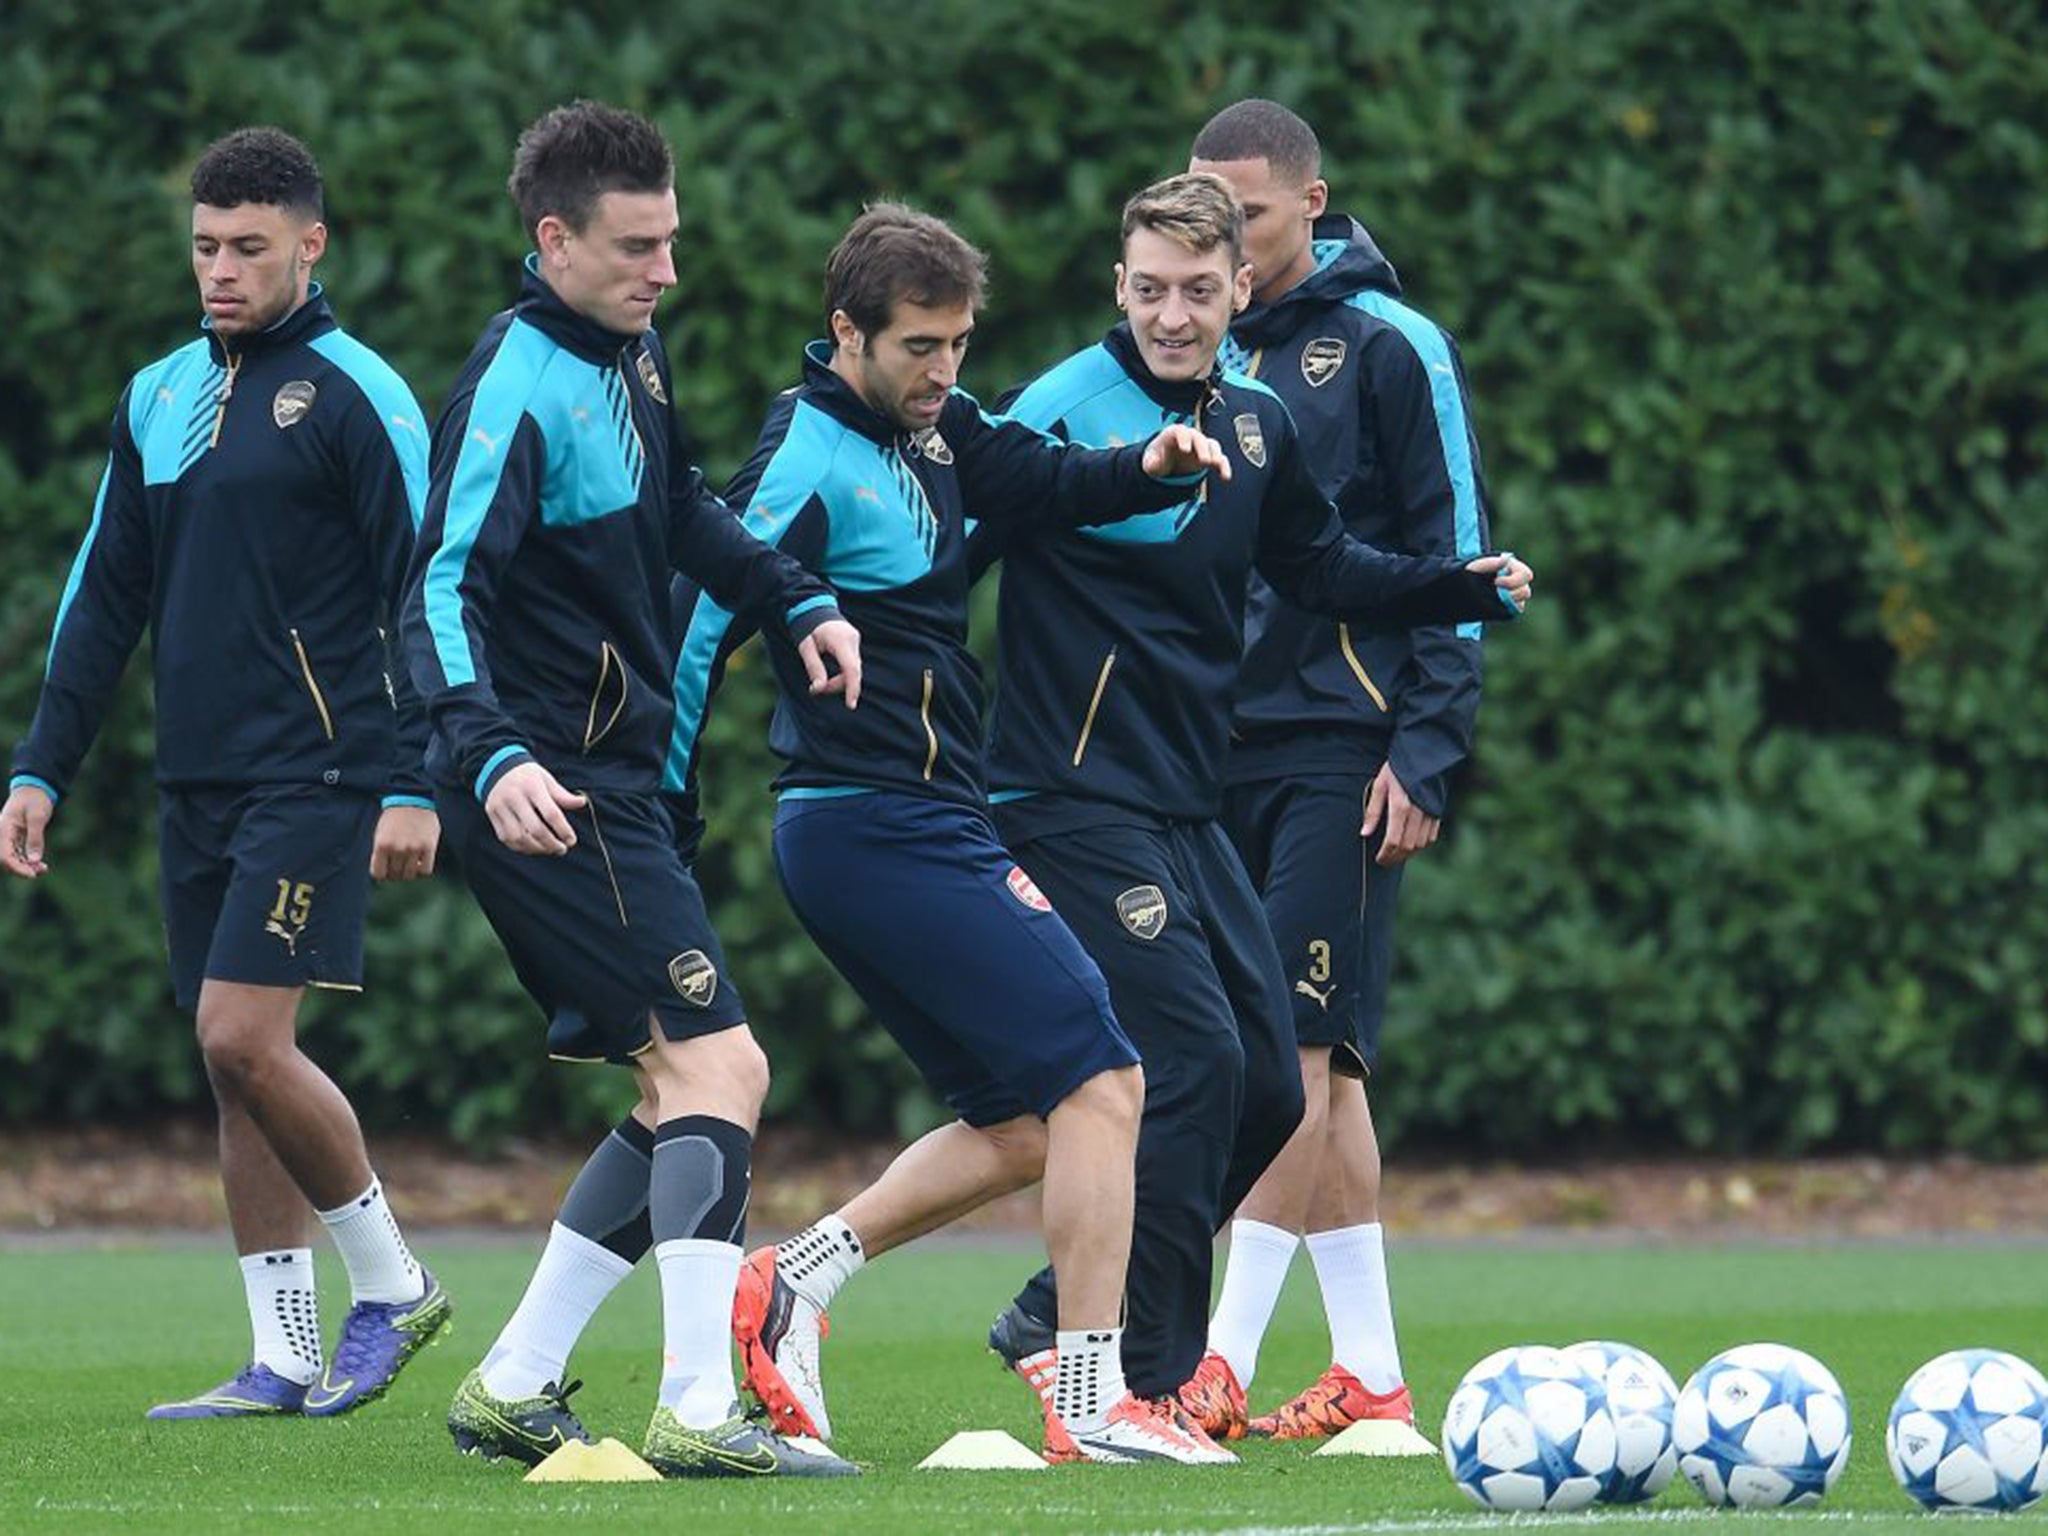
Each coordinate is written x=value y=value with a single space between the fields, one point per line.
x=527 y=810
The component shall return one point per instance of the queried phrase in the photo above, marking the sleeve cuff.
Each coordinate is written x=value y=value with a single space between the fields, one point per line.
x=417 y=802
x=496 y=766
x=30 y=781
x=809 y=614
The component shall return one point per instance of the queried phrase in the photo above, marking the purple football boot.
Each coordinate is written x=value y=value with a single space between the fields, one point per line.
x=256 y=1391
x=377 y=1338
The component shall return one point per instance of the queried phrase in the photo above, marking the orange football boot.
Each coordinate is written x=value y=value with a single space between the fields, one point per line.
x=1335 y=1401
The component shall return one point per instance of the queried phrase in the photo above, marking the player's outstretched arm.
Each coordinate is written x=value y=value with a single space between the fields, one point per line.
x=1015 y=475
x=23 y=821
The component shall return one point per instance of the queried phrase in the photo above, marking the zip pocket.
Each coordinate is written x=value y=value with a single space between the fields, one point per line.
x=1358 y=667
x=313 y=685
x=1094 y=704
x=593 y=733
x=605 y=853
x=931 y=737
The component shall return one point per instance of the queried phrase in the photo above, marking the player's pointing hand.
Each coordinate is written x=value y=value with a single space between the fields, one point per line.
x=836 y=641
x=1181 y=450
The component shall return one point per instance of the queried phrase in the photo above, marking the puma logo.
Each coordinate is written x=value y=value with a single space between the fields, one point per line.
x=1322 y=998
x=290 y=936
x=479 y=435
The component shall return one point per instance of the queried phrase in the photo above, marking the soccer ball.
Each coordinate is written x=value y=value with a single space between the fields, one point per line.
x=1761 y=1426
x=1641 y=1395
x=1970 y=1431
x=1528 y=1429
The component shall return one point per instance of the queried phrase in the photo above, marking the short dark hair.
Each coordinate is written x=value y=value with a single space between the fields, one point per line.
x=894 y=253
x=1195 y=209
x=570 y=157
x=259 y=165
x=1257 y=129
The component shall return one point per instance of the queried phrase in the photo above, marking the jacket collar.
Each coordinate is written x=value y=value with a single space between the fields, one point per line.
x=310 y=319
x=1347 y=262
x=839 y=400
x=542 y=308
x=1184 y=396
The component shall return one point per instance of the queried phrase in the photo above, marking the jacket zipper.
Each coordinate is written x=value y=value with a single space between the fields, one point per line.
x=221 y=397
x=1358 y=667
x=1094 y=704
x=931 y=737
x=313 y=685
x=592 y=734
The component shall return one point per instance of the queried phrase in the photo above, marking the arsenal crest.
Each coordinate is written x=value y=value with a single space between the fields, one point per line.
x=694 y=977
x=1251 y=439
x=289 y=405
x=1143 y=910
x=1321 y=359
x=1026 y=890
x=651 y=376
x=933 y=446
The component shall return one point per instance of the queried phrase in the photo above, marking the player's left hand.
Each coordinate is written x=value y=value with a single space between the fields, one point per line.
x=408 y=836
x=1512 y=576
x=1181 y=450
x=839 y=642
x=1410 y=829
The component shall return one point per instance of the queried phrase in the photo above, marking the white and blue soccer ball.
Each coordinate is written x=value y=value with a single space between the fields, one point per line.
x=1762 y=1426
x=1527 y=1429
x=1642 y=1397
x=1970 y=1431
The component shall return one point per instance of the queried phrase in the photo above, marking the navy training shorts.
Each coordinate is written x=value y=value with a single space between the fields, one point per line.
x=607 y=937
x=266 y=885
x=926 y=914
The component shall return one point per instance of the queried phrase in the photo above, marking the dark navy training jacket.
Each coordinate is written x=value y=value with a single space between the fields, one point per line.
x=882 y=514
x=257 y=512
x=1378 y=394
x=1120 y=646
x=537 y=618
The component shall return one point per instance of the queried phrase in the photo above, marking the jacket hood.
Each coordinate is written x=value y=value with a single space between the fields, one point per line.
x=1347 y=262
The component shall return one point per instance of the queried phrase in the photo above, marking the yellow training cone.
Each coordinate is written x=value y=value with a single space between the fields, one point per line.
x=608 y=1461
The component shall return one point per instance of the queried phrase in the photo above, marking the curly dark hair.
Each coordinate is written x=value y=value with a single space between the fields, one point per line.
x=259 y=165
x=573 y=155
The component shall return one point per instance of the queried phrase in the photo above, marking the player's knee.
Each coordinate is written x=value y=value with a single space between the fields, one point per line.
x=1117 y=1095
x=1020 y=1147
x=236 y=1049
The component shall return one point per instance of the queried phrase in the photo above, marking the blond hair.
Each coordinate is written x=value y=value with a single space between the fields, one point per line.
x=1195 y=209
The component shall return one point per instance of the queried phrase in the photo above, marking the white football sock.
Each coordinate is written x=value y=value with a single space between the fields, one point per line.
x=380 y=1266
x=1091 y=1377
x=698 y=1279
x=1252 y=1280
x=284 y=1312
x=568 y=1286
x=1351 y=1266
x=819 y=1260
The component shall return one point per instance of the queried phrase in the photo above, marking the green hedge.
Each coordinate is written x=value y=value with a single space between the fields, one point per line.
x=1751 y=295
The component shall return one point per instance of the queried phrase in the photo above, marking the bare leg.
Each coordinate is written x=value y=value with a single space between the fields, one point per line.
x=265 y=1209
x=257 y=1069
x=1091 y=1141
x=942 y=1176
x=1285 y=1190
x=1348 y=1192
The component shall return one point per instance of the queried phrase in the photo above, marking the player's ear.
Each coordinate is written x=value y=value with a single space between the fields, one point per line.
x=1241 y=288
x=1121 y=298
x=551 y=239
x=312 y=242
x=846 y=335
x=1317 y=194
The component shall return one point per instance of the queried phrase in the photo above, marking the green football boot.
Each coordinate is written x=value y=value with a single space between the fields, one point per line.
x=737 y=1448
x=527 y=1429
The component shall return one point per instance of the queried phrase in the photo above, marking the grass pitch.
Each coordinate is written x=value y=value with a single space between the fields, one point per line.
x=89 y=1339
